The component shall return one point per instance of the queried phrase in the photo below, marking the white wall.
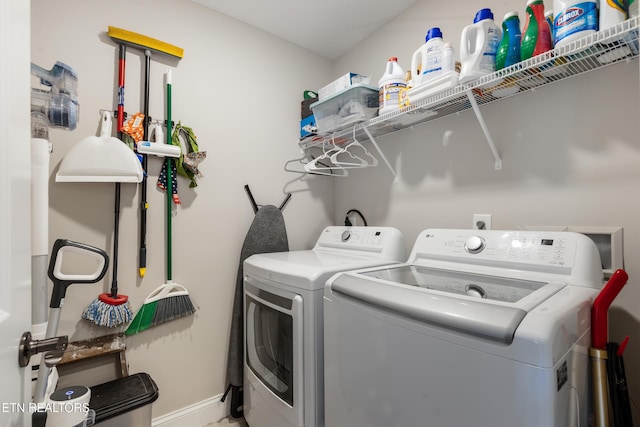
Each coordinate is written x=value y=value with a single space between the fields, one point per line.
x=570 y=152
x=240 y=90
x=570 y=155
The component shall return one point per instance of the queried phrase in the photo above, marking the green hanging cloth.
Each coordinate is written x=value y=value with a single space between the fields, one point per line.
x=188 y=162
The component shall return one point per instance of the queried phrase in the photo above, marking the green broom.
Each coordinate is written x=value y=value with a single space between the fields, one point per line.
x=171 y=300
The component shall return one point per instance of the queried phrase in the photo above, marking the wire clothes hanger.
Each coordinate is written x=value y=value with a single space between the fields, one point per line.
x=370 y=161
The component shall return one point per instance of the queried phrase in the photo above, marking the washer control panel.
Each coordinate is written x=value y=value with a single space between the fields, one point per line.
x=555 y=249
x=382 y=241
x=361 y=236
x=566 y=255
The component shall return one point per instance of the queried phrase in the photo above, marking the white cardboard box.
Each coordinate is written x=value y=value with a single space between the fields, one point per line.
x=341 y=83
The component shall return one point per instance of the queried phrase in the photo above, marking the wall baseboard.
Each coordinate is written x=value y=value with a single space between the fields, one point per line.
x=199 y=414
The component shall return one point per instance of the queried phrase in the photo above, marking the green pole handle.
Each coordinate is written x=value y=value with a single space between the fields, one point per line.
x=169 y=180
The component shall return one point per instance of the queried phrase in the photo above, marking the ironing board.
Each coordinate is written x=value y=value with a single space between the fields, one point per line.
x=267 y=233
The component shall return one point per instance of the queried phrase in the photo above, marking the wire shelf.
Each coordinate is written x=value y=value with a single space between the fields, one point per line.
x=606 y=47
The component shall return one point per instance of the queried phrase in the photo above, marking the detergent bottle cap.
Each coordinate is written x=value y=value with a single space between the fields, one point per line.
x=434 y=33
x=482 y=15
x=510 y=15
x=393 y=59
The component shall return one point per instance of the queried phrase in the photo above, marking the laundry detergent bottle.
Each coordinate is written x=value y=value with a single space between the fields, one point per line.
x=548 y=15
x=426 y=62
x=478 y=46
x=632 y=8
x=612 y=12
x=574 y=20
x=509 y=48
x=536 y=35
x=391 y=85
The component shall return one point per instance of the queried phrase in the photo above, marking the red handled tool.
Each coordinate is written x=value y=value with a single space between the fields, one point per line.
x=598 y=351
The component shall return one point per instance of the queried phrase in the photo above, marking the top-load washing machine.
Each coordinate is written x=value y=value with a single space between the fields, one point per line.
x=283 y=363
x=478 y=329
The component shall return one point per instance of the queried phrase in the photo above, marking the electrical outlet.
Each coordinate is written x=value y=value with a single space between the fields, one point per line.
x=481 y=222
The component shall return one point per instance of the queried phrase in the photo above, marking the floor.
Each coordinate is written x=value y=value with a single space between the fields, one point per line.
x=228 y=422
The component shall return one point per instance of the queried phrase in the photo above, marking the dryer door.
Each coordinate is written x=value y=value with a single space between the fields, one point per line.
x=273 y=352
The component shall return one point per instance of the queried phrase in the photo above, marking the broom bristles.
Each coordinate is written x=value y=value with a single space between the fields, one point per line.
x=103 y=314
x=161 y=311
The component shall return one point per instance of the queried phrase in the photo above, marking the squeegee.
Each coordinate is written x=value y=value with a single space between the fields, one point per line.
x=143 y=42
x=148 y=45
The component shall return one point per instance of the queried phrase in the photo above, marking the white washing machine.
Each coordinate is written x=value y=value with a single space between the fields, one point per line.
x=477 y=329
x=283 y=363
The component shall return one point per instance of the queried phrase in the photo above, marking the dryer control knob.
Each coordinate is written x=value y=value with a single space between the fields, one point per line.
x=474 y=244
x=346 y=235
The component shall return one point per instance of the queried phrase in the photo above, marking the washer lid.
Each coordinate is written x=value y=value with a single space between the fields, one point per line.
x=306 y=269
x=487 y=306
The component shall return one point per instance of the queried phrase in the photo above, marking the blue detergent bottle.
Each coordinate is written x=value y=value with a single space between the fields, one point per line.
x=509 y=48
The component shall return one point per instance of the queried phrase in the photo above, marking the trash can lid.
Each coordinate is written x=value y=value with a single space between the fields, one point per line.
x=122 y=395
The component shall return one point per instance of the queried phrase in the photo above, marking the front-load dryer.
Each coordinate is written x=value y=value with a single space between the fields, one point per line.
x=480 y=328
x=283 y=361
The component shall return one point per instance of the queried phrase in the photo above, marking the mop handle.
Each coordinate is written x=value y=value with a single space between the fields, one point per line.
x=600 y=387
x=169 y=180
x=116 y=233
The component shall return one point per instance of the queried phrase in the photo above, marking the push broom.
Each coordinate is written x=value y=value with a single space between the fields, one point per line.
x=171 y=300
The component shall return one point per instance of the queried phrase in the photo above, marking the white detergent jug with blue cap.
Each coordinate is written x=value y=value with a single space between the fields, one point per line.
x=426 y=62
x=478 y=46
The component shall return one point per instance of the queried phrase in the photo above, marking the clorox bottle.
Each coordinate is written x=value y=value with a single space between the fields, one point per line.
x=426 y=62
x=574 y=20
x=509 y=48
x=478 y=46
x=391 y=85
x=536 y=36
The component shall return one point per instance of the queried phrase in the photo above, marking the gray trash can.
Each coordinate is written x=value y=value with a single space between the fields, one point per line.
x=124 y=402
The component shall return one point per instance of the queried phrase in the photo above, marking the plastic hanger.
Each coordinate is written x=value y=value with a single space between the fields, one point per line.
x=362 y=163
x=301 y=161
x=322 y=164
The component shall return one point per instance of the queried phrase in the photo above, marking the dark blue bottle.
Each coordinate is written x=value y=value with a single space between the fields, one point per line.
x=509 y=48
